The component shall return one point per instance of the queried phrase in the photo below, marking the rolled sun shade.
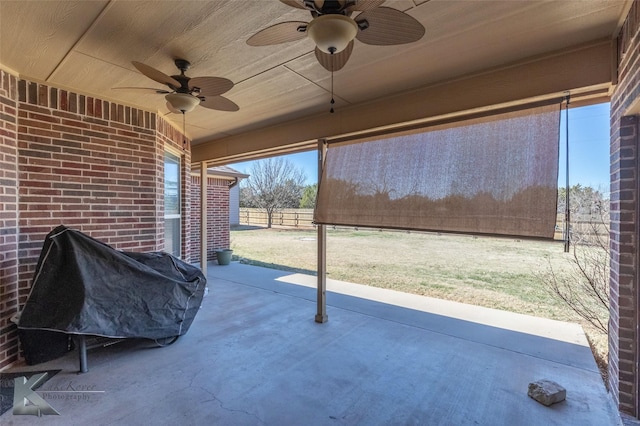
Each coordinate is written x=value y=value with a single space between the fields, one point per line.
x=494 y=175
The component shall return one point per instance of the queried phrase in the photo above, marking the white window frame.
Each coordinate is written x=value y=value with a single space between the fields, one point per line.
x=176 y=156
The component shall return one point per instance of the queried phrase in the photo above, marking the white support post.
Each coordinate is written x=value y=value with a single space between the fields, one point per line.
x=203 y=217
x=321 y=315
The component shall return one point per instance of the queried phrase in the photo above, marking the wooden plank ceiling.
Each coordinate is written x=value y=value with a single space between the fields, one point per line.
x=88 y=47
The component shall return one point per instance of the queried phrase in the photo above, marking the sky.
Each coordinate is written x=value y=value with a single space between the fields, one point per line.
x=307 y=161
x=589 y=141
x=588 y=150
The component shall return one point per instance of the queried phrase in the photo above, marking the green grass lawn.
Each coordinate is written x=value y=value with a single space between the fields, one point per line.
x=491 y=272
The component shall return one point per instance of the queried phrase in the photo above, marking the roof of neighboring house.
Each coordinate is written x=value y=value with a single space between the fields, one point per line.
x=226 y=172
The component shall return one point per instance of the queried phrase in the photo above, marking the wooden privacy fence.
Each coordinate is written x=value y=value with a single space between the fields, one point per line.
x=587 y=230
x=294 y=218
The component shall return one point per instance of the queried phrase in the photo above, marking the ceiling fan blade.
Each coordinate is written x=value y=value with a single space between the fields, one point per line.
x=146 y=89
x=156 y=75
x=210 y=86
x=336 y=61
x=279 y=33
x=298 y=4
x=362 y=5
x=172 y=109
x=219 y=103
x=388 y=26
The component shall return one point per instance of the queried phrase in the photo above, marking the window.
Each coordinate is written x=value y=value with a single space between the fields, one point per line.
x=172 y=216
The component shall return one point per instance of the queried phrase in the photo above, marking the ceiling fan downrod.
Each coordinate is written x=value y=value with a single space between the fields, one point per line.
x=183 y=65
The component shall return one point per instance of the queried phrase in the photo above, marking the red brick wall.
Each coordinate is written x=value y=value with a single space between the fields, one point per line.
x=217 y=216
x=8 y=219
x=87 y=163
x=623 y=325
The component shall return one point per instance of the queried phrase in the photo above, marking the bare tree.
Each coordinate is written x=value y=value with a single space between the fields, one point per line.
x=273 y=184
x=585 y=287
x=586 y=203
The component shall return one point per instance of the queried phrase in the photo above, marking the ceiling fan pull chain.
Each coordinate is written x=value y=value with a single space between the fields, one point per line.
x=184 y=133
x=332 y=51
x=332 y=100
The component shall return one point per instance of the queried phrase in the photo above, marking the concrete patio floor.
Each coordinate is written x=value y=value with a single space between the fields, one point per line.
x=255 y=356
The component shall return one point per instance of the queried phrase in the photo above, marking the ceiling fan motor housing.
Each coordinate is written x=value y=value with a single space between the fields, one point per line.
x=186 y=92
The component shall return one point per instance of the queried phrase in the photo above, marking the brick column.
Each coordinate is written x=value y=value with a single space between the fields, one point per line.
x=623 y=338
x=217 y=216
x=8 y=219
x=624 y=348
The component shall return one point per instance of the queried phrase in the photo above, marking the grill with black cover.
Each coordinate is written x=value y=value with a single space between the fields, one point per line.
x=84 y=287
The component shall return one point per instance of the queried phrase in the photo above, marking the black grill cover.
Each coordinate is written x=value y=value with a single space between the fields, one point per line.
x=83 y=286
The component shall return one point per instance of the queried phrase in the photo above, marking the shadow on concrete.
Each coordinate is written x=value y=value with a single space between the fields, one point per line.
x=282 y=268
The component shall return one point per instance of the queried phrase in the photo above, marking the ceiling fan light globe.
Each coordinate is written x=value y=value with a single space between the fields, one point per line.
x=182 y=102
x=332 y=33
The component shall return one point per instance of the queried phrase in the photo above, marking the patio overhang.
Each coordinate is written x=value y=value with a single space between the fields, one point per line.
x=586 y=72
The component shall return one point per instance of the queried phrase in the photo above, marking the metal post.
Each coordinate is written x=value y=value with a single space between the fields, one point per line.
x=203 y=217
x=321 y=315
x=567 y=211
x=82 y=353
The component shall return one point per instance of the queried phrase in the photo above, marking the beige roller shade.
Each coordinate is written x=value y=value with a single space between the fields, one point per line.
x=493 y=175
